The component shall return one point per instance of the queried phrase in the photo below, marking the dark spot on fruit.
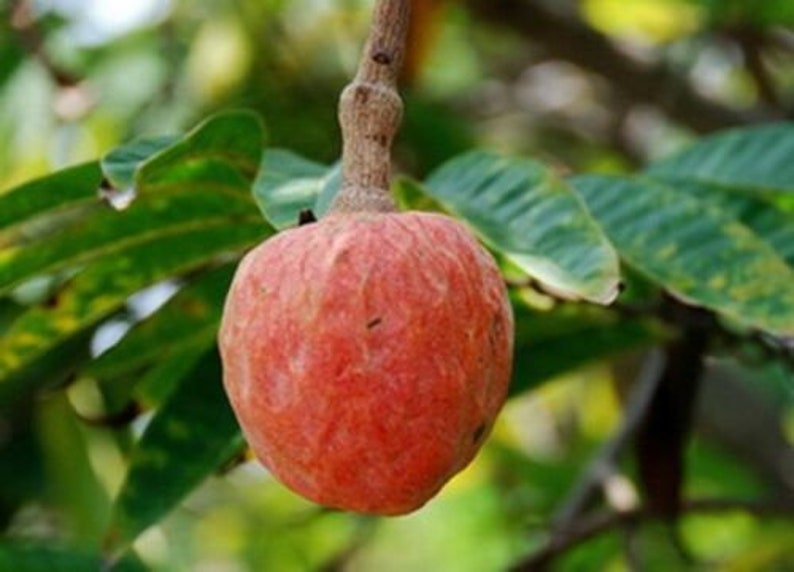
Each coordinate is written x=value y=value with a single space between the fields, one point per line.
x=494 y=331
x=478 y=433
x=374 y=322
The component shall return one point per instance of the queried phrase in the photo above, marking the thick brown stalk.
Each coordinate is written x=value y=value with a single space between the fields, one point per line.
x=370 y=112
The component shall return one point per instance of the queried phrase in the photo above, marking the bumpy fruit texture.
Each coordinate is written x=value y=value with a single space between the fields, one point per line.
x=367 y=355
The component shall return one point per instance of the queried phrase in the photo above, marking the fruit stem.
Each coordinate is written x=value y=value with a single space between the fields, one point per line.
x=370 y=112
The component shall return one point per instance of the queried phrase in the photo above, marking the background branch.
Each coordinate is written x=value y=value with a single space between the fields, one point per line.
x=32 y=40
x=565 y=37
x=603 y=464
x=594 y=525
x=663 y=433
x=752 y=44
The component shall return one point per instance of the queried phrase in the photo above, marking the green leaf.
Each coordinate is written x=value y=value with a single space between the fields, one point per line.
x=551 y=343
x=743 y=172
x=411 y=195
x=68 y=188
x=190 y=316
x=755 y=159
x=120 y=165
x=287 y=184
x=523 y=210
x=193 y=205
x=9 y=311
x=73 y=487
x=39 y=557
x=222 y=152
x=329 y=190
x=108 y=231
x=21 y=464
x=157 y=351
x=12 y=52
x=192 y=435
x=698 y=254
x=31 y=350
x=176 y=362
x=767 y=218
x=148 y=386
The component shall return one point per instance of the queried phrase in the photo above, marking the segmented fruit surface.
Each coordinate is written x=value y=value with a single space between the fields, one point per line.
x=367 y=355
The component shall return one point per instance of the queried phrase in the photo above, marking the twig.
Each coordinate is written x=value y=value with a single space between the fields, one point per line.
x=591 y=526
x=661 y=437
x=604 y=462
x=751 y=42
x=631 y=547
x=32 y=41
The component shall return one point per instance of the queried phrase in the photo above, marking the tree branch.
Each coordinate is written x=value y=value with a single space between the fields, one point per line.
x=662 y=435
x=594 y=525
x=603 y=464
x=32 y=41
x=751 y=42
x=657 y=84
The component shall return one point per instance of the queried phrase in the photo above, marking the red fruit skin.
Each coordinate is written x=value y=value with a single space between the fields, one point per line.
x=367 y=355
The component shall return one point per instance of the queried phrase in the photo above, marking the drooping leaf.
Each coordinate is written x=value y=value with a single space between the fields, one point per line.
x=120 y=164
x=109 y=231
x=32 y=350
x=57 y=192
x=550 y=343
x=523 y=210
x=288 y=183
x=696 y=253
x=190 y=437
x=755 y=159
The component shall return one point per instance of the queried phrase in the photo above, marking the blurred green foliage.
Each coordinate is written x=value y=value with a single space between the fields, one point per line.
x=79 y=79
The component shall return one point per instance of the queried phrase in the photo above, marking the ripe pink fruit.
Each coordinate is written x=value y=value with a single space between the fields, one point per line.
x=367 y=355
